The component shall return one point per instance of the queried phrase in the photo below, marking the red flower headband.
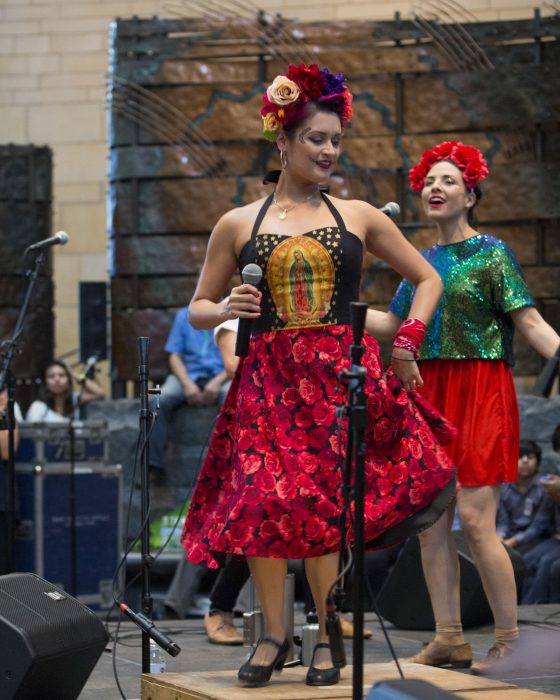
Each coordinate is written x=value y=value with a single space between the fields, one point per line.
x=287 y=93
x=468 y=159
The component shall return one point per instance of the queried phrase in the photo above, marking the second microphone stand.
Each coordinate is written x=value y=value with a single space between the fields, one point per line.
x=7 y=380
x=144 y=621
x=356 y=410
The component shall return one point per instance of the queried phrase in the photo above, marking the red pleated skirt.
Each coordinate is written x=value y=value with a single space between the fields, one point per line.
x=478 y=397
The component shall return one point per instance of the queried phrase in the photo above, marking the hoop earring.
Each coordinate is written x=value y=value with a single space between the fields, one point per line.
x=283 y=160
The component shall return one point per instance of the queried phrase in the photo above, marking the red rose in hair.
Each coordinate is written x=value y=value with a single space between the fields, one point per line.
x=467 y=158
x=310 y=80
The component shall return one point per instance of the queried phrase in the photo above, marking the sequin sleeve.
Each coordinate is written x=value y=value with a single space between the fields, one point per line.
x=511 y=290
x=400 y=304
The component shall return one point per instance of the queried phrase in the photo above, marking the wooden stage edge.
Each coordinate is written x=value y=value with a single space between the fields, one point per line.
x=290 y=685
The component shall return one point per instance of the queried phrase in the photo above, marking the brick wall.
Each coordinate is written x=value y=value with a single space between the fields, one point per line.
x=53 y=63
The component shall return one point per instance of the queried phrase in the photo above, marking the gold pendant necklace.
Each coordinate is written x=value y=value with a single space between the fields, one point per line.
x=284 y=212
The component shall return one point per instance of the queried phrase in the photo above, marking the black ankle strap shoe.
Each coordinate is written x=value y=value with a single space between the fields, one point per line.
x=322 y=676
x=253 y=676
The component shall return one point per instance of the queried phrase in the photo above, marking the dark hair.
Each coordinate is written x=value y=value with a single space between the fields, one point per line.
x=471 y=214
x=530 y=447
x=46 y=395
x=309 y=109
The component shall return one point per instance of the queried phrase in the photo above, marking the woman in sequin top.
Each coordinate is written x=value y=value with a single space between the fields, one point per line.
x=270 y=487
x=465 y=362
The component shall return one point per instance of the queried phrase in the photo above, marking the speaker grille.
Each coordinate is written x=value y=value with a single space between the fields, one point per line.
x=44 y=611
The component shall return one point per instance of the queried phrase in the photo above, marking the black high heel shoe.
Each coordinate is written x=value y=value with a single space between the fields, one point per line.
x=321 y=676
x=254 y=676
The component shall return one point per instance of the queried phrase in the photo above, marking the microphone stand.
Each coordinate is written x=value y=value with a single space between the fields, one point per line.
x=73 y=533
x=147 y=602
x=356 y=411
x=6 y=378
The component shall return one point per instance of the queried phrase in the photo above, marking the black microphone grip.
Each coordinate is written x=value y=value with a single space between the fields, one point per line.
x=143 y=344
x=358 y=311
x=336 y=640
x=151 y=630
x=251 y=274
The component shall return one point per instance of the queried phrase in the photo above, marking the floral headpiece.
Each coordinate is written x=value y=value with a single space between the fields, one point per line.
x=289 y=92
x=468 y=159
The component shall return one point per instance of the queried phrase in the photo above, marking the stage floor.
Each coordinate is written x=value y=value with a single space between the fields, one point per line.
x=208 y=672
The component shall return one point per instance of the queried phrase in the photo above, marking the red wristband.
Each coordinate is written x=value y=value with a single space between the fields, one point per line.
x=410 y=335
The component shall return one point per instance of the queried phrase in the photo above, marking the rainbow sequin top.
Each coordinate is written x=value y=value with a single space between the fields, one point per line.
x=483 y=282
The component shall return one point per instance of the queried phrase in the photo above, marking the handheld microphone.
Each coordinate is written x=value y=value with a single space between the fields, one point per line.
x=148 y=626
x=250 y=274
x=61 y=238
x=336 y=640
x=391 y=209
x=89 y=365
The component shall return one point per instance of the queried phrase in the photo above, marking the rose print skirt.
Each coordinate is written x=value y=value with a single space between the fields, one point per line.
x=270 y=485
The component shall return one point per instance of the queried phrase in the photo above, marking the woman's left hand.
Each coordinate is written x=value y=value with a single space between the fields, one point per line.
x=405 y=368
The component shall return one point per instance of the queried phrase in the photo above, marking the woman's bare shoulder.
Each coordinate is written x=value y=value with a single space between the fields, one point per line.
x=356 y=213
x=239 y=217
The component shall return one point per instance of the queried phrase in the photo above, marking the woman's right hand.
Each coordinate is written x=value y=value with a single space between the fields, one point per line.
x=244 y=302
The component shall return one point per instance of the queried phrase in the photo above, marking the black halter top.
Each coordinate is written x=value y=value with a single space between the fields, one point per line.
x=309 y=279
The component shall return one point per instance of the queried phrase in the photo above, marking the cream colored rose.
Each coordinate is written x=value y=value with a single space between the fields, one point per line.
x=270 y=122
x=283 y=91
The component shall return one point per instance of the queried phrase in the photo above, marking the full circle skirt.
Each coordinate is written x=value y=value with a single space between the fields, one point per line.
x=271 y=483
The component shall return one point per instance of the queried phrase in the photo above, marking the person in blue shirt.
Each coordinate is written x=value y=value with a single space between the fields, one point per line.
x=526 y=512
x=197 y=377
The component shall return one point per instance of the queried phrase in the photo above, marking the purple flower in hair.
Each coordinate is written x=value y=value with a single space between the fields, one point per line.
x=334 y=83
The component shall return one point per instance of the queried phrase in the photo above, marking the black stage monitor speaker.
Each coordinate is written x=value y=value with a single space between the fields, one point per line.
x=404 y=599
x=406 y=689
x=93 y=320
x=49 y=641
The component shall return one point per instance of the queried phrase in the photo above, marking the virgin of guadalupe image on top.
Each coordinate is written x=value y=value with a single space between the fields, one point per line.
x=303 y=283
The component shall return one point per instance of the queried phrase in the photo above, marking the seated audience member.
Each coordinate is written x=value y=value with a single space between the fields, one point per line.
x=4 y=452
x=542 y=578
x=526 y=513
x=58 y=401
x=197 y=378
